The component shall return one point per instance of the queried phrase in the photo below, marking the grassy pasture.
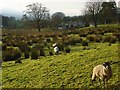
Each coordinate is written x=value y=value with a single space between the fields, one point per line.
x=66 y=70
x=61 y=71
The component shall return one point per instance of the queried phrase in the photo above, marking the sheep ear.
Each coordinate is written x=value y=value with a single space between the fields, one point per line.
x=107 y=63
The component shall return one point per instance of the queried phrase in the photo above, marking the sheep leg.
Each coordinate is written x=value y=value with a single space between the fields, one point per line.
x=100 y=82
x=93 y=79
x=92 y=82
x=106 y=83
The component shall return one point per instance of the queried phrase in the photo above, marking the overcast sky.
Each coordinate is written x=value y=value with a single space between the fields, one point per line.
x=69 y=7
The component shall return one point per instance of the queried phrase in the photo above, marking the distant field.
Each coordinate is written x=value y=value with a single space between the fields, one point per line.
x=71 y=70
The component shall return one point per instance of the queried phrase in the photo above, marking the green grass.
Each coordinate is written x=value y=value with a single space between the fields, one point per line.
x=102 y=26
x=71 y=70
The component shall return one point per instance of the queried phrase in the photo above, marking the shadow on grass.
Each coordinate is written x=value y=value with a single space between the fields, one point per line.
x=12 y=64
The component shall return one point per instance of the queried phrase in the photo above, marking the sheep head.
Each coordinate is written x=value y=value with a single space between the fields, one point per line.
x=106 y=64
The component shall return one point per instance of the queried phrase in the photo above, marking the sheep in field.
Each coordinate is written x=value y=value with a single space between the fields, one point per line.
x=103 y=72
x=56 y=49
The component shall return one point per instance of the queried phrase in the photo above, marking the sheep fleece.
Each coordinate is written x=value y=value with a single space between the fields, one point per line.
x=102 y=72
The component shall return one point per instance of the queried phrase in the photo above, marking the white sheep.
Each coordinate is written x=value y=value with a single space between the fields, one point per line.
x=56 y=49
x=103 y=72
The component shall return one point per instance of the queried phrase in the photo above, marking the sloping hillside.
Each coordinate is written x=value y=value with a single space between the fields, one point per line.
x=71 y=70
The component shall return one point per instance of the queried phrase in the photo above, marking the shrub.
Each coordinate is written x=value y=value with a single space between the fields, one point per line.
x=83 y=34
x=113 y=39
x=67 y=50
x=84 y=42
x=9 y=43
x=50 y=53
x=84 y=48
x=34 y=40
x=71 y=42
x=26 y=55
x=18 y=61
x=77 y=40
x=17 y=54
x=107 y=38
x=66 y=43
x=42 y=53
x=11 y=54
x=29 y=43
x=91 y=37
x=110 y=38
x=4 y=47
x=38 y=46
x=98 y=38
x=117 y=36
x=48 y=40
x=14 y=44
x=101 y=32
x=61 y=47
x=23 y=47
x=40 y=49
x=4 y=40
x=109 y=43
x=34 y=53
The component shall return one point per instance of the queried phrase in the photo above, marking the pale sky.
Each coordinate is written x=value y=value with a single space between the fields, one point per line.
x=69 y=7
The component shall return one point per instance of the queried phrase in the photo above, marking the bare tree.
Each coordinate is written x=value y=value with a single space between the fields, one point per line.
x=36 y=13
x=93 y=8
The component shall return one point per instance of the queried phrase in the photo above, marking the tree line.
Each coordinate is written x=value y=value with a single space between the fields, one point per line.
x=11 y=22
x=38 y=16
x=101 y=12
